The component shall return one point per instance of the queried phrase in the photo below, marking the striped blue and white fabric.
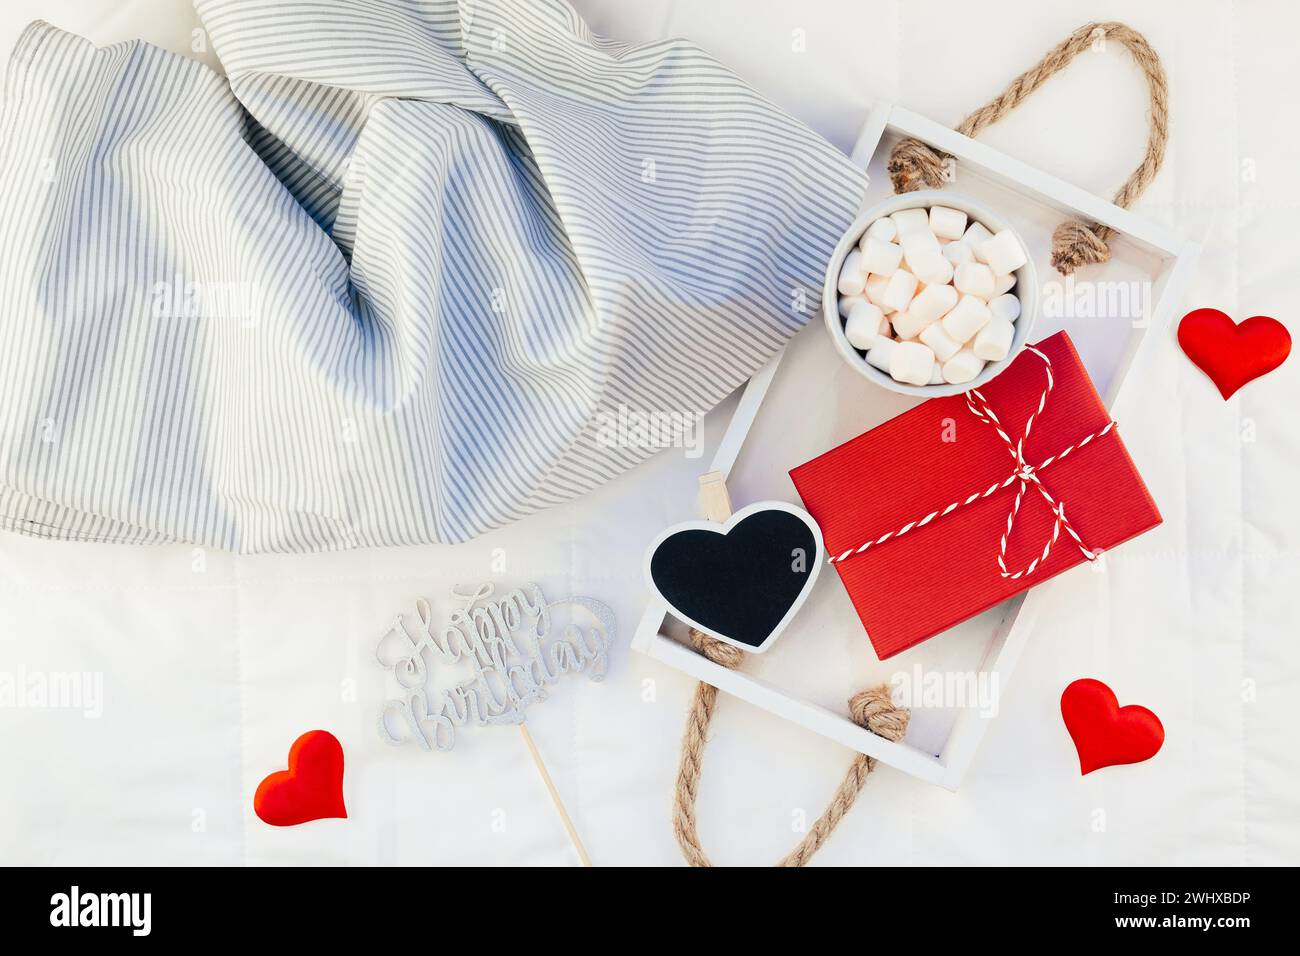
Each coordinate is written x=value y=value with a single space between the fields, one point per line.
x=383 y=282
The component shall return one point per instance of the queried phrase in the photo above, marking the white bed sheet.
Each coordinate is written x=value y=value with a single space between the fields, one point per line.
x=213 y=664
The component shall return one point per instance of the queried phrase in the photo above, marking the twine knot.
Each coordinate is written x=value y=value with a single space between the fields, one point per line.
x=1074 y=245
x=913 y=165
x=1027 y=474
x=874 y=709
x=720 y=652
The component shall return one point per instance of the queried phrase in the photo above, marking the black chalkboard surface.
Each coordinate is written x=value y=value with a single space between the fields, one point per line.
x=739 y=581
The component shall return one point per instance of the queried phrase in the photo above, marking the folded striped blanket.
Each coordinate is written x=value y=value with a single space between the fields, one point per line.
x=382 y=282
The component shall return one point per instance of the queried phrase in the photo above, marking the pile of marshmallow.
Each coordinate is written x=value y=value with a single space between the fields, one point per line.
x=927 y=297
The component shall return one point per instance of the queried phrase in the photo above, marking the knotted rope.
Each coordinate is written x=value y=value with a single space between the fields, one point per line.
x=913 y=164
x=871 y=708
x=1023 y=472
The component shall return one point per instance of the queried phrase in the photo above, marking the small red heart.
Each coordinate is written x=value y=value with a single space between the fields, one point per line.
x=1232 y=354
x=312 y=787
x=1104 y=733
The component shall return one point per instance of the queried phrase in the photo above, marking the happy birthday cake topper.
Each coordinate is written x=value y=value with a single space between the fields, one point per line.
x=512 y=648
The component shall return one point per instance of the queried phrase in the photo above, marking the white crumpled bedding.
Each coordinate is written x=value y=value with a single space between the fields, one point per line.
x=212 y=664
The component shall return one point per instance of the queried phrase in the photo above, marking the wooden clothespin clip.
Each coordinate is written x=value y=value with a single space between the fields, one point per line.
x=715 y=501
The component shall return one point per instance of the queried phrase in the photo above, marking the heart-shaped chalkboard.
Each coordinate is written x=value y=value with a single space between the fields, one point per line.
x=741 y=581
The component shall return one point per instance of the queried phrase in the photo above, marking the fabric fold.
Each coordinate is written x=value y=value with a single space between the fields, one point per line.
x=389 y=281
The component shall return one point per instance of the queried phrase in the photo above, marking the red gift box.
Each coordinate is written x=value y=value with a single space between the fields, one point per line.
x=915 y=512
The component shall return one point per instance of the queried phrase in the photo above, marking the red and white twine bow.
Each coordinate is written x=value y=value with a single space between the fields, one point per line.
x=1024 y=473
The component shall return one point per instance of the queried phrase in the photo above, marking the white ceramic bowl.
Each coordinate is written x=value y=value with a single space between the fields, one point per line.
x=1026 y=289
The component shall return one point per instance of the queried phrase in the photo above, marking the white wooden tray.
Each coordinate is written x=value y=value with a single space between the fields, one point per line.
x=824 y=655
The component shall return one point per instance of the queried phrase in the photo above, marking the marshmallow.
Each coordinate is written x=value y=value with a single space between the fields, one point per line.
x=947 y=223
x=994 y=340
x=864 y=323
x=976 y=236
x=909 y=220
x=875 y=292
x=847 y=302
x=881 y=258
x=936 y=374
x=852 y=279
x=918 y=243
x=1003 y=284
x=899 y=292
x=880 y=353
x=958 y=252
x=939 y=342
x=931 y=268
x=966 y=318
x=884 y=229
x=929 y=305
x=962 y=367
x=904 y=326
x=974 y=278
x=908 y=325
x=911 y=362
x=1003 y=253
x=1005 y=307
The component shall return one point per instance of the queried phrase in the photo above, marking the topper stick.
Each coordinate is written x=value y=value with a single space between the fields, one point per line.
x=555 y=796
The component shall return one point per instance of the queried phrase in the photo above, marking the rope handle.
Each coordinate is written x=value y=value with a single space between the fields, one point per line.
x=873 y=709
x=913 y=164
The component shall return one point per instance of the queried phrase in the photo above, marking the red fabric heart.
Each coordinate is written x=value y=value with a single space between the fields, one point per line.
x=1232 y=354
x=312 y=787
x=1104 y=733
